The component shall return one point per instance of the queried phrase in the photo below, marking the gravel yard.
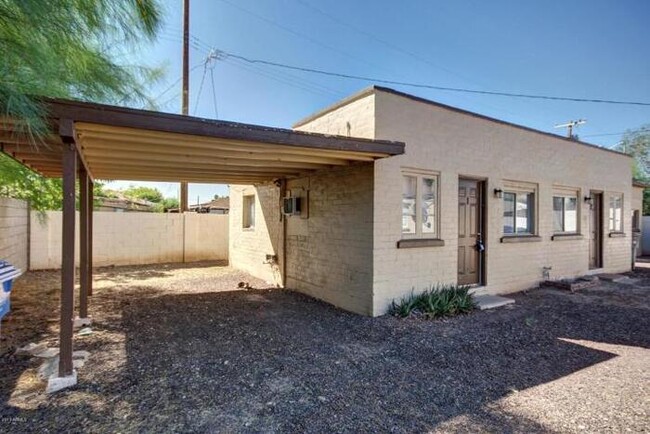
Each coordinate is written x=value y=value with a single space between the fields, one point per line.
x=177 y=348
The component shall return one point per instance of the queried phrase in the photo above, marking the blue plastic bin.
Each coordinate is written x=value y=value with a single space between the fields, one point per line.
x=7 y=275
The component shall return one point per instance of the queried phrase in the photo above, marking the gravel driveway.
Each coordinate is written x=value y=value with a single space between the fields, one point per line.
x=174 y=350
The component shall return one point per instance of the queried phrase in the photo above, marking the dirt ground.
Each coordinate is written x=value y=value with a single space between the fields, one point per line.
x=177 y=348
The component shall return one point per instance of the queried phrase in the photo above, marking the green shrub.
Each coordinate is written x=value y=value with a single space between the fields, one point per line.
x=435 y=302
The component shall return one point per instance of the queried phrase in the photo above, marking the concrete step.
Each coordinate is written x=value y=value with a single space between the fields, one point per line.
x=486 y=301
x=616 y=278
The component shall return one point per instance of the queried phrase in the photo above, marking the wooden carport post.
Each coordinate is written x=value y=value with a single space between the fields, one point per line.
x=66 y=131
x=84 y=240
x=91 y=205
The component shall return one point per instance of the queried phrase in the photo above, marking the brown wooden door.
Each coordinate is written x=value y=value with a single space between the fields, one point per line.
x=596 y=231
x=469 y=227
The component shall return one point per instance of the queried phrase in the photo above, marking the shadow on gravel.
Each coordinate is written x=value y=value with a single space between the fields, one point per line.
x=264 y=361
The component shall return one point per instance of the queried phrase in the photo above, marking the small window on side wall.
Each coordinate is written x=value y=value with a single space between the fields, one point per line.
x=615 y=212
x=248 y=211
x=519 y=211
x=419 y=205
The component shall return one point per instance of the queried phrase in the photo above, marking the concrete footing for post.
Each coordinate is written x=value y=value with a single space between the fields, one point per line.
x=56 y=383
x=82 y=322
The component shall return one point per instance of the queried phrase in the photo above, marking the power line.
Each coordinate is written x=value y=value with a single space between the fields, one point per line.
x=384 y=42
x=429 y=86
x=616 y=134
x=296 y=33
x=169 y=100
x=171 y=86
x=209 y=63
x=273 y=75
x=214 y=94
x=288 y=79
x=198 y=95
x=199 y=45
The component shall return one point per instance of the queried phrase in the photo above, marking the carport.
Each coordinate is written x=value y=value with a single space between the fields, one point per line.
x=92 y=141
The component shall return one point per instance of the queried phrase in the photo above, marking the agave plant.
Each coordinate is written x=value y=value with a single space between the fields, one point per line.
x=437 y=301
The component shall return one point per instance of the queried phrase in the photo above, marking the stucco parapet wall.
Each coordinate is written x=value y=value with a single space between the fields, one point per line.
x=375 y=89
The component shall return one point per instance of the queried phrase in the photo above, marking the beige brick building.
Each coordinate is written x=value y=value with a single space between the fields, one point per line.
x=473 y=200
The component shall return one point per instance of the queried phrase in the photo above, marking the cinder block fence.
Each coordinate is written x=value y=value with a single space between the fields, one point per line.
x=14 y=232
x=33 y=240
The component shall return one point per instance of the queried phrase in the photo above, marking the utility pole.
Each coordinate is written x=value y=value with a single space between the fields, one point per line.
x=186 y=85
x=570 y=125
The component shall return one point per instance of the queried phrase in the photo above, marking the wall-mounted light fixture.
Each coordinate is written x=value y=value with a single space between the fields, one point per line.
x=498 y=193
x=588 y=199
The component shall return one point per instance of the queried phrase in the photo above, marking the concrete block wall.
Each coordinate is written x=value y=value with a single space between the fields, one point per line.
x=134 y=238
x=206 y=237
x=249 y=246
x=449 y=144
x=328 y=253
x=14 y=232
x=454 y=144
x=356 y=118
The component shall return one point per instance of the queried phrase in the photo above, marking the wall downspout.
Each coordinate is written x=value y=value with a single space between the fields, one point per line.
x=283 y=218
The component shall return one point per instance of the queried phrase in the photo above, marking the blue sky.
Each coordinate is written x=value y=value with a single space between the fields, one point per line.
x=577 y=48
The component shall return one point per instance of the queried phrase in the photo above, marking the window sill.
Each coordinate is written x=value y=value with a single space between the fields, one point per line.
x=249 y=229
x=617 y=234
x=520 y=239
x=410 y=243
x=567 y=237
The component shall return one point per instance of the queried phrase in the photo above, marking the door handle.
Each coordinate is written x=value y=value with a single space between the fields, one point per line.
x=479 y=244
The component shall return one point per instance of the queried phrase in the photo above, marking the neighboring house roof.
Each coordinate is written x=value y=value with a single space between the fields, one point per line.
x=222 y=203
x=640 y=184
x=218 y=203
x=122 y=202
x=373 y=89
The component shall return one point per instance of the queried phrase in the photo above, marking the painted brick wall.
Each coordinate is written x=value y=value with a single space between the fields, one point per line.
x=14 y=232
x=328 y=253
x=356 y=119
x=451 y=144
x=134 y=238
x=249 y=247
x=456 y=144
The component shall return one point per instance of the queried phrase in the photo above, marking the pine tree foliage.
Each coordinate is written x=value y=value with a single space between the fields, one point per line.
x=637 y=143
x=67 y=49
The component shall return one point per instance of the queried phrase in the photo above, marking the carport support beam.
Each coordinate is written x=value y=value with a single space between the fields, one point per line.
x=91 y=206
x=66 y=130
x=84 y=271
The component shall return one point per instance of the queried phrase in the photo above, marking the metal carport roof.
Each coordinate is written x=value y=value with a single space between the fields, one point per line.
x=123 y=143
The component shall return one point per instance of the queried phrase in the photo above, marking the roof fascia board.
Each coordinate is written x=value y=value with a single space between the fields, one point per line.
x=166 y=122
